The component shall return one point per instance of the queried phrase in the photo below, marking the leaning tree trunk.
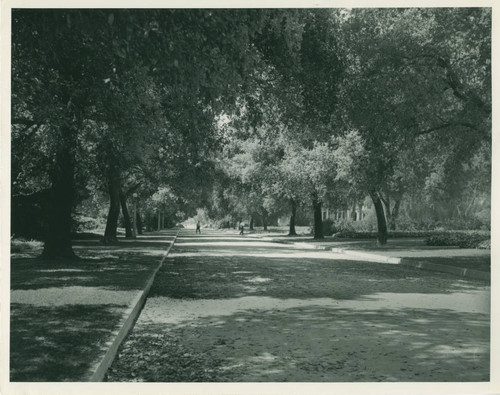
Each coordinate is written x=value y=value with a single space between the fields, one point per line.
x=381 y=222
x=114 y=206
x=318 y=221
x=291 y=231
x=126 y=215
x=386 y=204
x=60 y=205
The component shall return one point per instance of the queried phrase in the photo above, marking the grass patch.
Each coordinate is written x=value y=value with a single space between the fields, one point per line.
x=61 y=337
x=54 y=344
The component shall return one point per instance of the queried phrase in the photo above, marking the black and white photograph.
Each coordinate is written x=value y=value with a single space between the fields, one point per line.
x=256 y=198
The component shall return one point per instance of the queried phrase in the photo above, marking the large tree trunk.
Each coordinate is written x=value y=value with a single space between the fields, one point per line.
x=381 y=223
x=264 y=218
x=60 y=205
x=386 y=201
x=126 y=216
x=139 y=222
x=318 y=221
x=114 y=207
x=291 y=231
x=391 y=214
x=395 y=214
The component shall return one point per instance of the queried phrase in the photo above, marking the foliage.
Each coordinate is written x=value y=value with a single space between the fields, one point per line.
x=20 y=245
x=462 y=239
x=252 y=112
x=438 y=235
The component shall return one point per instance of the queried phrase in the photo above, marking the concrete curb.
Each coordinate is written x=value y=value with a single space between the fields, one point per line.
x=131 y=313
x=459 y=271
x=368 y=256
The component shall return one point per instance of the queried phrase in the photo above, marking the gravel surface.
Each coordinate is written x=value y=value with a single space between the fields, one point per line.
x=248 y=311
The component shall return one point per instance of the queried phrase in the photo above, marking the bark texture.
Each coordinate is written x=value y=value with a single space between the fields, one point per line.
x=114 y=206
x=60 y=205
x=264 y=218
x=126 y=215
x=318 y=221
x=381 y=222
x=291 y=230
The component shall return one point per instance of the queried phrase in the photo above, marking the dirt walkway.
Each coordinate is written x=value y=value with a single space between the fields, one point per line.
x=228 y=308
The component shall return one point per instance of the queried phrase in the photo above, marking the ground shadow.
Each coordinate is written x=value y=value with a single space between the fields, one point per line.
x=310 y=344
x=54 y=344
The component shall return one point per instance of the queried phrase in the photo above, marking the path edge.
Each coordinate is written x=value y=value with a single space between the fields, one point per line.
x=135 y=309
x=372 y=257
x=458 y=271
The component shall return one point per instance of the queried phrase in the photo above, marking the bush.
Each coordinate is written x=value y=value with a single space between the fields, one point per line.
x=471 y=239
x=21 y=245
x=328 y=227
x=372 y=235
x=463 y=239
x=85 y=224
x=349 y=234
x=484 y=245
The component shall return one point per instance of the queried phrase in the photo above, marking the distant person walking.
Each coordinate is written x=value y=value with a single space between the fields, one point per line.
x=242 y=228
x=198 y=227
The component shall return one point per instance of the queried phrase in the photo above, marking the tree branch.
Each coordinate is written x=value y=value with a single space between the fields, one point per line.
x=446 y=125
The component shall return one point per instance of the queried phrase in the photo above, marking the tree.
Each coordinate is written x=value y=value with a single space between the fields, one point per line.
x=199 y=57
x=52 y=90
x=410 y=79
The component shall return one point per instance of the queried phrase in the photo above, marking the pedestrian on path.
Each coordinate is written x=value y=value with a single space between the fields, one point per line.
x=242 y=228
x=198 y=227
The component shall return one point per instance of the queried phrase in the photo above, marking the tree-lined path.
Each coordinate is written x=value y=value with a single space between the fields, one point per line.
x=231 y=308
x=370 y=124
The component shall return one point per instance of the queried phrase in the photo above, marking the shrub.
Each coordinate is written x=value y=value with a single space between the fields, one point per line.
x=372 y=235
x=463 y=239
x=21 y=245
x=328 y=227
x=85 y=224
x=349 y=234
x=470 y=239
x=484 y=245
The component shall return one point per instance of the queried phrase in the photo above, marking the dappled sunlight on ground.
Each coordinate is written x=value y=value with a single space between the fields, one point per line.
x=177 y=311
x=209 y=239
x=57 y=343
x=233 y=244
x=63 y=312
x=247 y=311
x=308 y=341
x=71 y=295
x=264 y=253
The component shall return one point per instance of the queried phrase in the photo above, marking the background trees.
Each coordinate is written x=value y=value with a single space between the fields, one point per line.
x=405 y=91
x=250 y=114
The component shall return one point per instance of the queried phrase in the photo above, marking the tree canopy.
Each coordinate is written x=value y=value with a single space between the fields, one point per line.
x=249 y=113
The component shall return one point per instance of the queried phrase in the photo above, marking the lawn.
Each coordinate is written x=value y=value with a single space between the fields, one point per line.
x=63 y=313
